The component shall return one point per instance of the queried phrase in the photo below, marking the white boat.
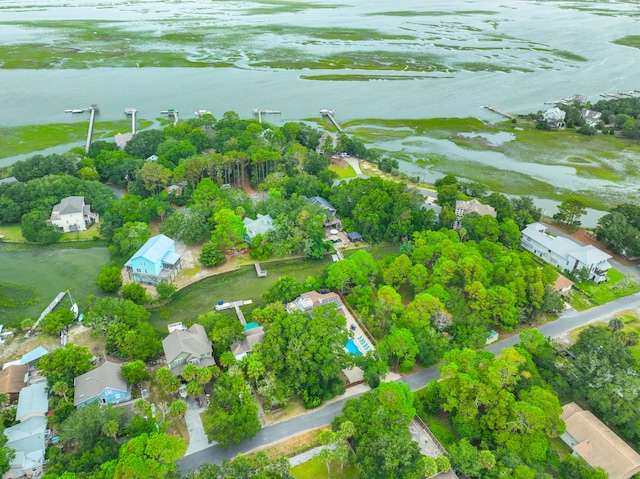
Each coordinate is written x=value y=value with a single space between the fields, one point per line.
x=77 y=110
x=74 y=309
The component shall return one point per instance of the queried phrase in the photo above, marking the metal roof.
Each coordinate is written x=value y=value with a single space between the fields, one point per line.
x=154 y=250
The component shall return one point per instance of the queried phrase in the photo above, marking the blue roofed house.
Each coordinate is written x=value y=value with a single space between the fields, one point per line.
x=104 y=384
x=27 y=438
x=261 y=225
x=332 y=219
x=155 y=261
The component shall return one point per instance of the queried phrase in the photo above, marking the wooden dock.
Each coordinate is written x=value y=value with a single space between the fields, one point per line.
x=235 y=305
x=261 y=111
x=132 y=112
x=48 y=309
x=329 y=114
x=259 y=271
x=93 y=109
x=171 y=113
x=499 y=112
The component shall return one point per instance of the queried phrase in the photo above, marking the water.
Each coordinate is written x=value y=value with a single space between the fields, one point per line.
x=52 y=270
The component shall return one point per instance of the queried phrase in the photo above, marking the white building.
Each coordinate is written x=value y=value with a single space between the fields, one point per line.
x=554 y=117
x=71 y=214
x=564 y=253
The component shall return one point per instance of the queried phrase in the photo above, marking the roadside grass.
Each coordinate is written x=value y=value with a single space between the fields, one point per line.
x=295 y=445
x=617 y=287
x=575 y=333
x=317 y=469
x=441 y=428
x=32 y=138
x=631 y=320
x=12 y=232
x=579 y=301
x=347 y=172
x=294 y=407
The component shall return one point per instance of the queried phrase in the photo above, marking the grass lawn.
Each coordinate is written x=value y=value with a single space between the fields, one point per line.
x=617 y=287
x=560 y=448
x=12 y=233
x=579 y=301
x=347 y=172
x=441 y=429
x=295 y=444
x=631 y=320
x=293 y=408
x=87 y=234
x=317 y=469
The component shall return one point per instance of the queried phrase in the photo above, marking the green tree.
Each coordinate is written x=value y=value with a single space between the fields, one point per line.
x=65 y=364
x=570 y=211
x=135 y=292
x=149 y=456
x=212 y=254
x=60 y=388
x=232 y=415
x=190 y=225
x=128 y=239
x=400 y=348
x=222 y=330
x=35 y=228
x=178 y=408
x=167 y=381
x=109 y=279
x=155 y=177
x=285 y=289
x=135 y=372
x=56 y=321
x=229 y=230
x=165 y=290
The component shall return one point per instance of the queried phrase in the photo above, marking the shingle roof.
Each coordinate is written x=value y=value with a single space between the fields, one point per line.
x=89 y=385
x=193 y=341
x=154 y=249
x=71 y=204
x=12 y=378
x=33 y=400
x=474 y=206
x=252 y=336
x=318 y=200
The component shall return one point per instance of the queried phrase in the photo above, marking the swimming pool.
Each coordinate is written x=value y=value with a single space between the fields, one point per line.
x=353 y=348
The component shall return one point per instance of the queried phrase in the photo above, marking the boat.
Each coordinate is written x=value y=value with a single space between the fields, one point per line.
x=77 y=110
x=74 y=309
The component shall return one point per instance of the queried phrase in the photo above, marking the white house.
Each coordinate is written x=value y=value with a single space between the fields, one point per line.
x=564 y=253
x=261 y=225
x=554 y=117
x=591 y=117
x=71 y=214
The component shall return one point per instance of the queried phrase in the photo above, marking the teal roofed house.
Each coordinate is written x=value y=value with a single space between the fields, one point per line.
x=156 y=261
x=261 y=225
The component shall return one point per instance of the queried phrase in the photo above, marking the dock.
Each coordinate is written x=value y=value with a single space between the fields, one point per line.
x=93 y=109
x=48 y=309
x=132 y=112
x=259 y=271
x=261 y=111
x=499 y=112
x=329 y=114
x=235 y=305
x=171 y=113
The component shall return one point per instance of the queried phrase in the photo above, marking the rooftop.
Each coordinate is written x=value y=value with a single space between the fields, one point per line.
x=89 y=385
x=70 y=205
x=154 y=250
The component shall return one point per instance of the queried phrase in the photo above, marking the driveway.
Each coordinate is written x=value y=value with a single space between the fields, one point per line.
x=567 y=321
x=197 y=437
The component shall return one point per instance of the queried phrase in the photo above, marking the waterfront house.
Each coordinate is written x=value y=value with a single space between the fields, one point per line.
x=591 y=117
x=254 y=334
x=187 y=347
x=593 y=441
x=564 y=253
x=12 y=379
x=437 y=209
x=27 y=438
x=71 y=214
x=554 y=117
x=331 y=219
x=463 y=208
x=104 y=384
x=261 y=225
x=155 y=261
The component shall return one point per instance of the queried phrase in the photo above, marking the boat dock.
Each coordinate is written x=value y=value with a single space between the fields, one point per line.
x=259 y=271
x=93 y=109
x=329 y=114
x=171 y=113
x=132 y=112
x=48 y=309
x=499 y=112
x=261 y=111
x=236 y=305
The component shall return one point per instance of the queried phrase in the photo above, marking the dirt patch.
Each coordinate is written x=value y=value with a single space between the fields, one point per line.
x=193 y=271
x=295 y=444
x=587 y=237
x=339 y=163
x=18 y=346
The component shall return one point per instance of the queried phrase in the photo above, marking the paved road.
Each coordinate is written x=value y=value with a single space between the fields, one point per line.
x=568 y=320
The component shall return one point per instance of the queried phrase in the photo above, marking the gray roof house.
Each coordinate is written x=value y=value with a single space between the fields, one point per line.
x=591 y=117
x=261 y=225
x=332 y=219
x=71 y=214
x=252 y=336
x=187 y=347
x=6 y=181
x=554 y=117
x=27 y=438
x=564 y=253
x=33 y=401
x=104 y=384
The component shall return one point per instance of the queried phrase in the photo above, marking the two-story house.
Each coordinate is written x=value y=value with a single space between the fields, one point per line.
x=71 y=214
x=187 y=347
x=104 y=384
x=261 y=225
x=155 y=261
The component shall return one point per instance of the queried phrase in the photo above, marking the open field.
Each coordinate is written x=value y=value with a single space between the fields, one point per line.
x=617 y=287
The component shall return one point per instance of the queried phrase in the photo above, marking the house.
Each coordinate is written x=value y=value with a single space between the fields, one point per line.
x=187 y=347
x=463 y=208
x=27 y=438
x=122 y=139
x=261 y=225
x=554 y=117
x=254 y=334
x=593 y=441
x=175 y=190
x=155 y=261
x=71 y=214
x=104 y=384
x=332 y=219
x=33 y=402
x=28 y=359
x=591 y=117
x=565 y=254
x=6 y=181
x=563 y=285
x=13 y=379
x=437 y=209
x=354 y=237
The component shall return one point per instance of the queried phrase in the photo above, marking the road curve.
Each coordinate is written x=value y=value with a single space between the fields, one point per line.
x=567 y=321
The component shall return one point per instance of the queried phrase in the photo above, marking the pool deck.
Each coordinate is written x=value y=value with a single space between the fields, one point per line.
x=355 y=374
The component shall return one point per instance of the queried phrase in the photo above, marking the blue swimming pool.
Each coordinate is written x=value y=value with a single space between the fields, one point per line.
x=353 y=348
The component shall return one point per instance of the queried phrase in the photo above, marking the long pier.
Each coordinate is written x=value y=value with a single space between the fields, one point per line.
x=329 y=114
x=132 y=112
x=262 y=111
x=93 y=109
x=499 y=112
x=235 y=305
x=173 y=113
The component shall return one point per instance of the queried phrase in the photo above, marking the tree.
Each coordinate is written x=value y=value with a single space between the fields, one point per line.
x=135 y=372
x=285 y=289
x=232 y=415
x=401 y=349
x=570 y=211
x=65 y=364
x=190 y=225
x=60 y=388
x=222 y=330
x=229 y=230
x=149 y=456
x=129 y=238
x=212 y=254
x=619 y=234
x=135 y=292
x=34 y=228
x=165 y=290
x=616 y=324
x=84 y=428
x=167 y=381
x=109 y=279
x=144 y=143
x=56 y=321
x=155 y=177
x=178 y=408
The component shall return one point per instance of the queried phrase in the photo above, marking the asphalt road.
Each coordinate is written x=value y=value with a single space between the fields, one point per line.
x=568 y=320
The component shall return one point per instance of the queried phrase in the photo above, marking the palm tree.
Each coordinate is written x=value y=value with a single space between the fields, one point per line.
x=60 y=389
x=178 y=408
x=616 y=324
x=110 y=429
